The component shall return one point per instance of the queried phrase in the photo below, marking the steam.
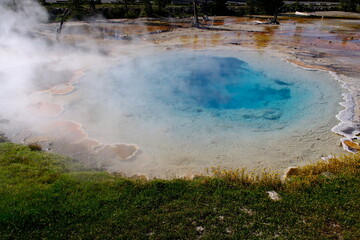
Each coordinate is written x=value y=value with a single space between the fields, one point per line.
x=20 y=52
x=31 y=60
x=38 y=75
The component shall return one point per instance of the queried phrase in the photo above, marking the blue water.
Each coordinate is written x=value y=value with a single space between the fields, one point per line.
x=178 y=88
x=228 y=83
x=223 y=87
x=204 y=108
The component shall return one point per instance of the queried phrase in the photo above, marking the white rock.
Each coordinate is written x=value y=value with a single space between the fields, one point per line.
x=273 y=195
x=200 y=229
x=327 y=158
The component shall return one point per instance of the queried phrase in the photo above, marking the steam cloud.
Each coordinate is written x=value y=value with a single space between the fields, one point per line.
x=35 y=69
x=31 y=60
x=21 y=52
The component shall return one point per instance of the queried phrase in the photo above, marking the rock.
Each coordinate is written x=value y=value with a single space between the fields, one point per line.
x=274 y=195
x=200 y=229
x=327 y=158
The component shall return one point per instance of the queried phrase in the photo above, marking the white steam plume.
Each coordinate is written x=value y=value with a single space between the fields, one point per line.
x=20 y=51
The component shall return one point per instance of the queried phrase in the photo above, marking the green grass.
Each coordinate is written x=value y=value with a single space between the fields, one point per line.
x=47 y=196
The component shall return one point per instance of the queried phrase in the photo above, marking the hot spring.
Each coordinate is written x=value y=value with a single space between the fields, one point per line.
x=191 y=110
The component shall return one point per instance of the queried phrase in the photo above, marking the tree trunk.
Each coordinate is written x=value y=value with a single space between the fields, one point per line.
x=92 y=5
x=206 y=8
x=126 y=7
x=274 y=19
x=196 y=23
x=58 y=31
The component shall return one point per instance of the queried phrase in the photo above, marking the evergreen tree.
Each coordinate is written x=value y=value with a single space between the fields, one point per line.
x=147 y=8
x=92 y=5
x=349 y=5
x=75 y=4
x=220 y=7
x=76 y=8
x=161 y=4
x=265 y=6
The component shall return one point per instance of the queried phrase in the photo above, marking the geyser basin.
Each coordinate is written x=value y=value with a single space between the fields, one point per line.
x=191 y=110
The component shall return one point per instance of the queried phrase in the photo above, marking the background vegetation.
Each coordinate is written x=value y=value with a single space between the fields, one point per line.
x=81 y=9
x=47 y=196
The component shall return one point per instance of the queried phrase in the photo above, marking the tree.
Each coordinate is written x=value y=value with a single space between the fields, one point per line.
x=161 y=4
x=297 y=5
x=205 y=8
x=148 y=8
x=251 y=5
x=42 y=2
x=196 y=23
x=92 y=5
x=76 y=8
x=76 y=4
x=220 y=7
x=126 y=3
x=63 y=18
x=349 y=5
x=265 y=6
x=128 y=12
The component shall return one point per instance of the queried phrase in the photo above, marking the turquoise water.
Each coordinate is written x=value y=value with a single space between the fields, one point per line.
x=228 y=83
x=192 y=85
x=192 y=110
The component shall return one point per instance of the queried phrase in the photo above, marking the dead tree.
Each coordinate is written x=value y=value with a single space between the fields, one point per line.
x=196 y=23
x=65 y=14
x=274 y=19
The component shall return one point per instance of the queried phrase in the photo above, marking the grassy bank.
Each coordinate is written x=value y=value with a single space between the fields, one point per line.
x=46 y=196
